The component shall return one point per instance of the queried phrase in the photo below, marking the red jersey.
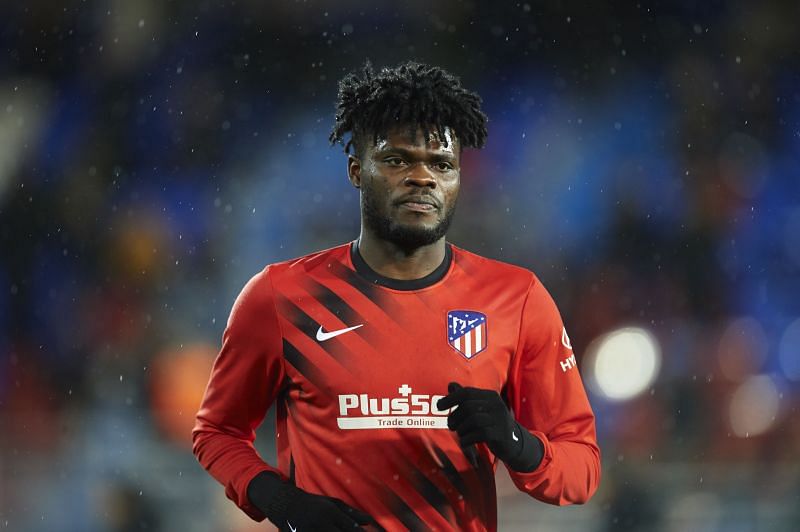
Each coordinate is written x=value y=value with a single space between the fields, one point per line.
x=356 y=363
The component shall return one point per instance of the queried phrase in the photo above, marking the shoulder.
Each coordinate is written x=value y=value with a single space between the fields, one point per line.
x=494 y=271
x=257 y=295
x=306 y=263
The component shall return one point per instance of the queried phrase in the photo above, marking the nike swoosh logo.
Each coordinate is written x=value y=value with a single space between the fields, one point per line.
x=514 y=436
x=293 y=529
x=322 y=335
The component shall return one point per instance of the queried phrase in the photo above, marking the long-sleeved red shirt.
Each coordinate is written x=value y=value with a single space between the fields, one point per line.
x=356 y=364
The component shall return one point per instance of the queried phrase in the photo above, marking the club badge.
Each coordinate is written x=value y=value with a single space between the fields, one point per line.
x=466 y=331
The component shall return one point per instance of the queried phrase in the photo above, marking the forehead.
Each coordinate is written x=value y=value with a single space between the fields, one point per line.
x=403 y=137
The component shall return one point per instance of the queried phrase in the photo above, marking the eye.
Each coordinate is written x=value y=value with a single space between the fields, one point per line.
x=394 y=161
x=443 y=166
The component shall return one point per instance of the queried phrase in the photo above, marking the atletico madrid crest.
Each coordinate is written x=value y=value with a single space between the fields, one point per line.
x=466 y=331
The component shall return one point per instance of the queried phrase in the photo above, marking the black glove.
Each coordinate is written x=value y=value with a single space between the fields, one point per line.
x=290 y=508
x=481 y=416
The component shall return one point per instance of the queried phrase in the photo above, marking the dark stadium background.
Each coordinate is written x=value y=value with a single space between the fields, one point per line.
x=642 y=159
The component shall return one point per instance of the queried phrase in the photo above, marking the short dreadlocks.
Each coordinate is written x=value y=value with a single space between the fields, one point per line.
x=412 y=95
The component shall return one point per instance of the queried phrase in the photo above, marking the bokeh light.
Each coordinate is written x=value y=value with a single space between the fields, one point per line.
x=623 y=363
x=789 y=351
x=21 y=118
x=754 y=406
x=178 y=380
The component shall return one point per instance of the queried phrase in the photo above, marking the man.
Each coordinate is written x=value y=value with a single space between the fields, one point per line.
x=403 y=367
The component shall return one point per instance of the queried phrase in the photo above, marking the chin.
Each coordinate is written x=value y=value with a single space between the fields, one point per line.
x=420 y=229
x=412 y=236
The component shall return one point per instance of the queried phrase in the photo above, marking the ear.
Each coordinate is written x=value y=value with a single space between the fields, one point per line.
x=354 y=170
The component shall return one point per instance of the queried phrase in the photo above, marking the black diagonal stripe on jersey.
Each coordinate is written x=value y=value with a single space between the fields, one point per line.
x=303 y=366
x=308 y=326
x=474 y=489
x=452 y=473
x=341 y=309
x=374 y=293
x=331 y=301
x=296 y=316
x=404 y=513
x=370 y=291
x=430 y=492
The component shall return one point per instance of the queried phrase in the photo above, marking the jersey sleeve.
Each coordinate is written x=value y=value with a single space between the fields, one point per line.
x=547 y=396
x=244 y=382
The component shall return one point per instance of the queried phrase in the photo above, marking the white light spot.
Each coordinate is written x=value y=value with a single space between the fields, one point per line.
x=623 y=363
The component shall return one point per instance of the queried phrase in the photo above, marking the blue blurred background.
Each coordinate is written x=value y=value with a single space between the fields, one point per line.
x=643 y=161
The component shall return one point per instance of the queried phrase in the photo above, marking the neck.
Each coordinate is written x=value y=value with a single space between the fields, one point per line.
x=391 y=261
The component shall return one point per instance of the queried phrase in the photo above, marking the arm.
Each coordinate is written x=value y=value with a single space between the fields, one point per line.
x=245 y=380
x=546 y=393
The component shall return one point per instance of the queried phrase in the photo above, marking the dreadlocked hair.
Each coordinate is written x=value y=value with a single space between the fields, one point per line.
x=411 y=95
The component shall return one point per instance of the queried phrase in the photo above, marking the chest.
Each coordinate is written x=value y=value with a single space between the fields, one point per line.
x=341 y=339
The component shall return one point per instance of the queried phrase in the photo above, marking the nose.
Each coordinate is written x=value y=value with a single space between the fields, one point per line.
x=420 y=175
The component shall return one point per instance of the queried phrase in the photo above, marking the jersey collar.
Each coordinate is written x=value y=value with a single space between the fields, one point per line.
x=371 y=275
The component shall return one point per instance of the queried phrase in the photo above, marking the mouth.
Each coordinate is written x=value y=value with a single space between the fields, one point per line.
x=419 y=204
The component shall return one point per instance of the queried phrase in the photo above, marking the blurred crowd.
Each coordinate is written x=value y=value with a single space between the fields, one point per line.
x=642 y=161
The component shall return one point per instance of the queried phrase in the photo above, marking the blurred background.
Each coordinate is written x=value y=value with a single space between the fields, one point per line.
x=643 y=161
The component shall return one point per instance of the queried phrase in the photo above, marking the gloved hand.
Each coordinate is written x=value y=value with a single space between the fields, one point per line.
x=481 y=416
x=292 y=509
